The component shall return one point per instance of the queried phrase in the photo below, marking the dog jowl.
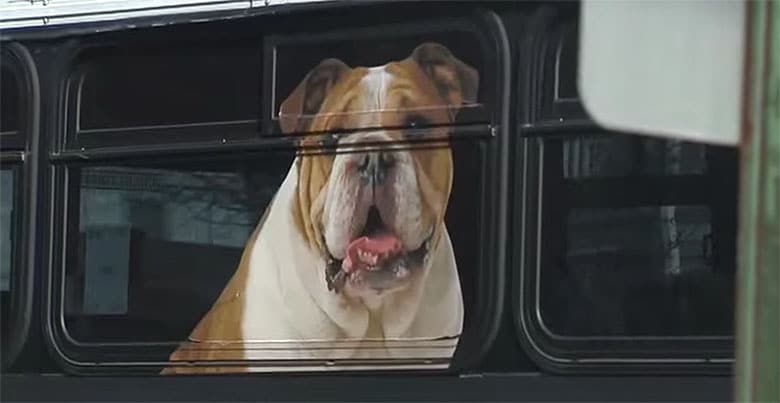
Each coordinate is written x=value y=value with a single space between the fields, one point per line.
x=354 y=245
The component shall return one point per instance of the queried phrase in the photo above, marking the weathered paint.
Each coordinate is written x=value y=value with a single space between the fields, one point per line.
x=758 y=305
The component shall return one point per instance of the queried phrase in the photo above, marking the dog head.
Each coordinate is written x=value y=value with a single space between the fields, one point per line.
x=376 y=214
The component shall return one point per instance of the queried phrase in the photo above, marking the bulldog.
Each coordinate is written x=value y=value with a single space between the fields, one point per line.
x=352 y=258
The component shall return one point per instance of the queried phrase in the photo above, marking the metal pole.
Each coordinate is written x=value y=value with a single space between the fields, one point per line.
x=758 y=281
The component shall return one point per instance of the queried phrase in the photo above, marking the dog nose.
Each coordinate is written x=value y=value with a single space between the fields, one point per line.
x=374 y=166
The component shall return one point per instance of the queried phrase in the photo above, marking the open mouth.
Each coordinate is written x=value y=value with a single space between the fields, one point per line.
x=376 y=258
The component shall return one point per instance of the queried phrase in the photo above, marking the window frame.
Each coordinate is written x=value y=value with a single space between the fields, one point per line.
x=21 y=147
x=561 y=354
x=469 y=130
x=491 y=137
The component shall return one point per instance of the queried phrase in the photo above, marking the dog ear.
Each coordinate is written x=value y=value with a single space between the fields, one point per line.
x=456 y=81
x=297 y=110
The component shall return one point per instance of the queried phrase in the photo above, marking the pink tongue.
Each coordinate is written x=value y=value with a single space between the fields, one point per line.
x=382 y=246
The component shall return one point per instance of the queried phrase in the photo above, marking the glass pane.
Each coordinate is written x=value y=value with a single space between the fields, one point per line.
x=157 y=246
x=566 y=66
x=171 y=86
x=7 y=192
x=7 y=245
x=654 y=262
x=626 y=156
x=9 y=101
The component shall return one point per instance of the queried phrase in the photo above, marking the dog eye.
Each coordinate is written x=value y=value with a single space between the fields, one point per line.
x=329 y=141
x=416 y=121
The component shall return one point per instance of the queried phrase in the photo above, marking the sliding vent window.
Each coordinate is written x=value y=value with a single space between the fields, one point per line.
x=406 y=86
x=556 y=85
x=637 y=239
x=334 y=252
x=151 y=93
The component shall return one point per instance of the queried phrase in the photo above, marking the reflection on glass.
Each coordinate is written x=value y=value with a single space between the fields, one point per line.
x=639 y=271
x=155 y=246
x=622 y=156
x=194 y=207
x=618 y=264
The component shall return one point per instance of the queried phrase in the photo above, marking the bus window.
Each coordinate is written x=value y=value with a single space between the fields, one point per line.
x=16 y=97
x=356 y=228
x=630 y=250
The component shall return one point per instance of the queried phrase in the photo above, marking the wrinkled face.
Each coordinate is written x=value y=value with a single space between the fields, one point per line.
x=375 y=208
